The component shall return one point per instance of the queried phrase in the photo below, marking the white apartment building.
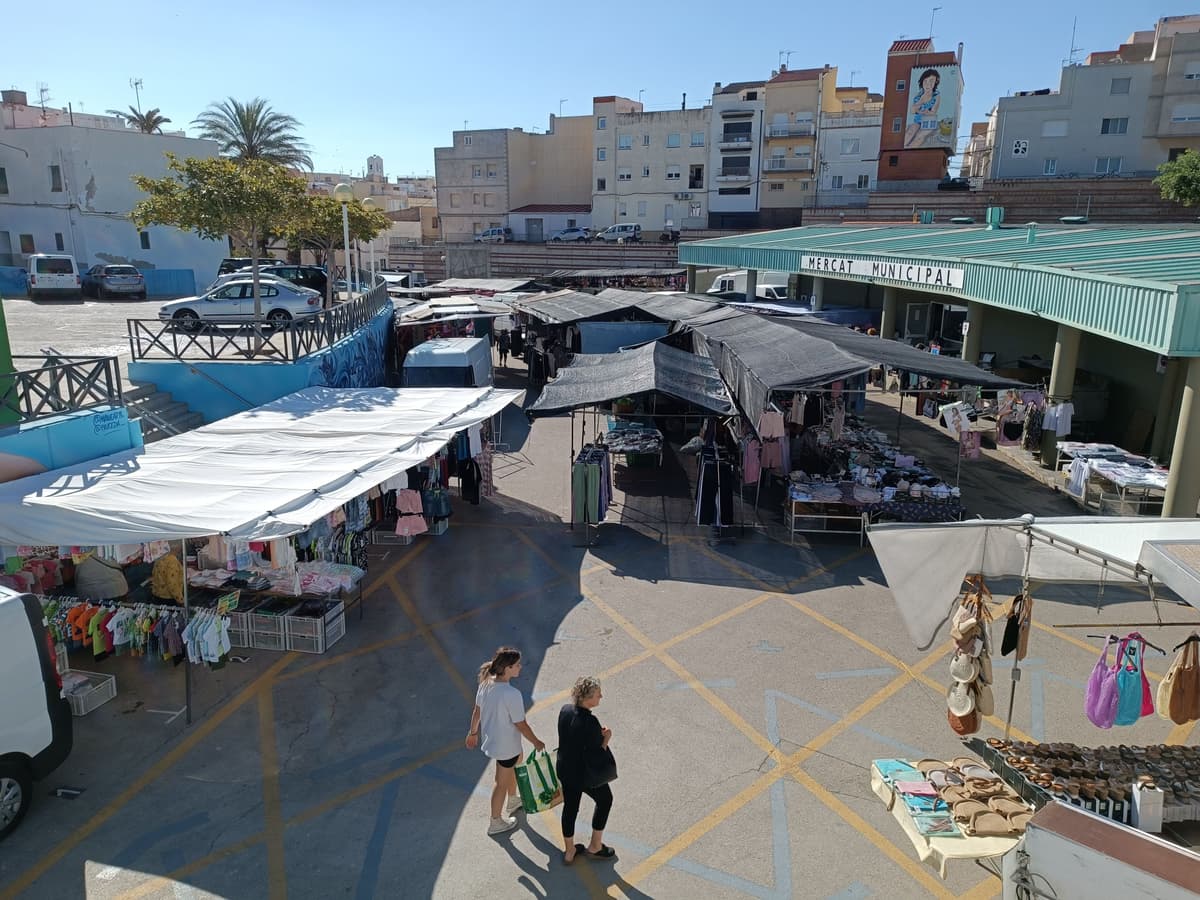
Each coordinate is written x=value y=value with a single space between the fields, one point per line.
x=649 y=168
x=1123 y=112
x=16 y=112
x=848 y=153
x=735 y=153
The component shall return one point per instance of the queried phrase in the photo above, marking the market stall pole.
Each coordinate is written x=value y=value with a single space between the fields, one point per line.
x=187 y=670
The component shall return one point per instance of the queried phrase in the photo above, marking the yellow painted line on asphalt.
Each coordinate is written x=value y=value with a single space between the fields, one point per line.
x=987 y=889
x=152 y=774
x=552 y=821
x=268 y=752
x=431 y=641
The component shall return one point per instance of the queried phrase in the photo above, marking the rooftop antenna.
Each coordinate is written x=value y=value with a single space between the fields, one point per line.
x=854 y=72
x=640 y=92
x=136 y=84
x=43 y=95
x=1070 y=60
x=560 y=106
x=932 y=14
x=785 y=57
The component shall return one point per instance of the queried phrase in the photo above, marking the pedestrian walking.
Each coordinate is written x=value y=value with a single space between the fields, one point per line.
x=497 y=725
x=585 y=766
x=504 y=343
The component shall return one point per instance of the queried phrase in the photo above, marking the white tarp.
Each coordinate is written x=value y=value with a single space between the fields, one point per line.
x=269 y=472
x=925 y=564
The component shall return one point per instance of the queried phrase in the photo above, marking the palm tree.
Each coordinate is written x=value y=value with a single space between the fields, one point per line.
x=254 y=131
x=148 y=122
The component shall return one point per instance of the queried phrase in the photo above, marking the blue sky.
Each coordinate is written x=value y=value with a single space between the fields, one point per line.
x=395 y=78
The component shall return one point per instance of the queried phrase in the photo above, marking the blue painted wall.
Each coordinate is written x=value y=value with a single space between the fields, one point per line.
x=14 y=282
x=356 y=361
x=66 y=440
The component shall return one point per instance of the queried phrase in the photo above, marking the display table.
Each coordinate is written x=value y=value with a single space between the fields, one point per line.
x=1132 y=477
x=936 y=851
x=632 y=440
x=802 y=512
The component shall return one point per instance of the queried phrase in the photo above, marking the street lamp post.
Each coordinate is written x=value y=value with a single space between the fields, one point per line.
x=344 y=194
x=369 y=204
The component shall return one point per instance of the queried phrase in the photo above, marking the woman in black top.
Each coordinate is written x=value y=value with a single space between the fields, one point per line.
x=585 y=766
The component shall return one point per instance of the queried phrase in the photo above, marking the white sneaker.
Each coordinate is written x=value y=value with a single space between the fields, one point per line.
x=515 y=805
x=499 y=826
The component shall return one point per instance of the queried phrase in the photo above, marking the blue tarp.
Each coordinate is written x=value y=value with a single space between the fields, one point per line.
x=609 y=337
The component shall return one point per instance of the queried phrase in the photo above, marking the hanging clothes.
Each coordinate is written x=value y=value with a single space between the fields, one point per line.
x=591 y=485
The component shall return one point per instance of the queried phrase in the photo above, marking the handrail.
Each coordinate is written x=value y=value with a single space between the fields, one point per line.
x=59 y=385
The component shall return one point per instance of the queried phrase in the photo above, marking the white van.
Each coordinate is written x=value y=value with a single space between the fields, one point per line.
x=769 y=285
x=35 y=718
x=449 y=362
x=53 y=275
x=622 y=231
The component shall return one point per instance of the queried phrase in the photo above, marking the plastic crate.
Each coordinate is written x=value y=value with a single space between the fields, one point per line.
x=263 y=641
x=268 y=617
x=386 y=535
x=239 y=619
x=100 y=689
x=239 y=637
x=312 y=619
x=439 y=527
x=333 y=632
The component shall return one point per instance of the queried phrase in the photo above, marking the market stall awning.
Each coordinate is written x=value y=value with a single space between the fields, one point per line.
x=616 y=273
x=565 y=307
x=451 y=309
x=924 y=565
x=266 y=473
x=597 y=378
x=483 y=285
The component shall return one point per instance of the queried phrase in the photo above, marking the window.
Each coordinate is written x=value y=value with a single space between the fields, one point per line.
x=673 y=173
x=697 y=138
x=491 y=171
x=1119 y=86
x=1020 y=148
x=601 y=154
x=645 y=140
x=455 y=201
x=775 y=186
x=467 y=140
x=641 y=209
x=475 y=199
x=572 y=223
x=601 y=184
x=668 y=212
x=850 y=146
x=804 y=185
x=751 y=95
x=489 y=199
x=1049 y=166
x=1108 y=165
x=901 y=85
x=435 y=223
x=695 y=210
x=59 y=245
x=1055 y=128
x=1175 y=152
x=1186 y=112
x=1192 y=71
x=3 y=181
x=477 y=227
x=143 y=237
x=804 y=150
x=56 y=184
x=622 y=209
x=742 y=191
x=1114 y=126
x=601 y=123
x=625 y=142
x=696 y=178
x=624 y=174
x=893 y=161
x=645 y=171
x=897 y=124
x=673 y=140
x=836 y=182
x=476 y=171
x=864 y=182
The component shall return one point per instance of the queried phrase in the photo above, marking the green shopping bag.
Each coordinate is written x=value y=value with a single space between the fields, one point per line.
x=538 y=783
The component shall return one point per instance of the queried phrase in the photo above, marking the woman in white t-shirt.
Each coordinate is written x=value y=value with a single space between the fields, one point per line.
x=497 y=724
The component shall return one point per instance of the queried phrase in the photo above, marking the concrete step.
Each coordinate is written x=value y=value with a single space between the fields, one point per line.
x=161 y=415
x=140 y=391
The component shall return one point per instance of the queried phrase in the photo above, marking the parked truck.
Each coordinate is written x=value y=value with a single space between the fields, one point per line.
x=770 y=285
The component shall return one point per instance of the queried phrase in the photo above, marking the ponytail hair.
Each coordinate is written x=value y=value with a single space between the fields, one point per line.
x=501 y=660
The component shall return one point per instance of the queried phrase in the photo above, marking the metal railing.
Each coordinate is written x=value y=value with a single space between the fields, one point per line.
x=852 y=119
x=735 y=172
x=791 y=129
x=787 y=164
x=155 y=339
x=60 y=385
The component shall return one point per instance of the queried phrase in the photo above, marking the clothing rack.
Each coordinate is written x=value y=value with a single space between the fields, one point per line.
x=1134 y=635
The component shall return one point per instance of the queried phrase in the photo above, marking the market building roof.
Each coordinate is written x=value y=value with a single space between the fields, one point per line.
x=1140 y=286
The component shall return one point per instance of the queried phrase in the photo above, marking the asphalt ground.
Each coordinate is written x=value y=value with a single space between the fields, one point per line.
x=748 y=687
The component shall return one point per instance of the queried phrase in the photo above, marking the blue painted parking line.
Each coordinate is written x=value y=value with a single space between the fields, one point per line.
x=131 y=852
x=853 y=891
x=368 y=878
x=685 y=685
x=773 y=722
x=856 y=673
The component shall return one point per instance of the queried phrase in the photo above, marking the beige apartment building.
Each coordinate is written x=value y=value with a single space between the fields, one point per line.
x=486 y=173
x=795 y=100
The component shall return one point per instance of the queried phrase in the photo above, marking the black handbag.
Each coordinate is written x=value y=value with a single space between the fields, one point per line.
x=1012 y=628
x=601 y=768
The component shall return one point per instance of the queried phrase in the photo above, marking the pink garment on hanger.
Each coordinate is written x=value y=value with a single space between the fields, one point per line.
x=770 y=424
x=772 y=455
x=751 y=463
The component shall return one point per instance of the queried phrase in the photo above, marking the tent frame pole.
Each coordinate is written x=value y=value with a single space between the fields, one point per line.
x=1016 y=670
x=187 y=618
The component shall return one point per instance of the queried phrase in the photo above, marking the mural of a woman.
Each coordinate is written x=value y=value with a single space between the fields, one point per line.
x=922 y=130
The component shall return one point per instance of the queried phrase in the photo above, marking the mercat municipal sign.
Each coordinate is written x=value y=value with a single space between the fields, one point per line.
x=910 y=272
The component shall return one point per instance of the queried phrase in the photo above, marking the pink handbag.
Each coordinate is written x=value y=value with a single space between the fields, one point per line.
x=1100 y=702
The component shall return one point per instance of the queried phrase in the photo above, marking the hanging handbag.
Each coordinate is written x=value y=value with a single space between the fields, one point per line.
x=1184 y=705
x=1129 y=685
x=964 y=725
x=985 y=701
x=1100 y=701
x=1012 y=628
x=1167 y=685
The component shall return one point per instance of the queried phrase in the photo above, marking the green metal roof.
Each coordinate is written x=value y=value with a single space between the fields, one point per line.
x=1140 y=286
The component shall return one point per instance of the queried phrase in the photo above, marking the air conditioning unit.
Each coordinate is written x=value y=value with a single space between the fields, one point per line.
x=683 y=195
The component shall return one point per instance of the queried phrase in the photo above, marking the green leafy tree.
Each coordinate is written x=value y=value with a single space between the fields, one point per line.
x=148 y=122
x=317 y=226
x=215 y=197
x=1179 y=179
x=253 y=130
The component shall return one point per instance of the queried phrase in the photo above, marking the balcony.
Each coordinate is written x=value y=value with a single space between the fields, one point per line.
x=788 y=164
x=735 y=142
x=791 y=129
x=853 y=119
x=733 y=173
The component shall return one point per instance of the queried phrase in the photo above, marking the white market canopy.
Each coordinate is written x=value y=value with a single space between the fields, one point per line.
x=266 y=473
x=925 y=564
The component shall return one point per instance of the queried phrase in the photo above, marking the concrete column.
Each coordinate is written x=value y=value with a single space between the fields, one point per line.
x=1166 y=405
x=1183 y=484
x=691 y=279
x=887 y=325
x=818 y=294
x=974 y=336
x=1062 y=384
x=751 y=285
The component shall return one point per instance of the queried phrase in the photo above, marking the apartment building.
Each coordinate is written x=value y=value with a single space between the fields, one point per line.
x=1121 y=112
x=848 y=148
x=16 y=112
x=922 y=95
x=649 y=168
x=735 y=153
x=977 y=160
x=487 y=173
x=796 y=99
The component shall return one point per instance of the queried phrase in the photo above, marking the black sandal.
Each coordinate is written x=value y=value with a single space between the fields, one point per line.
x=580 y=850
x=605 y=852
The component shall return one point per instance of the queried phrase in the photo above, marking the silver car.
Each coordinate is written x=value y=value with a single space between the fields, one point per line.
x=233 y=302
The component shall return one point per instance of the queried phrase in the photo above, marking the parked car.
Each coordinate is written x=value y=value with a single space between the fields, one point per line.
x=954 y=184
x=233 y=263
x=53 y=275
x=312 y=277
x=495 y=236
x=233 y=302
x=36 y=730
x=243 y=276
x=622 y=231
x=572 y=234
x=104 y=281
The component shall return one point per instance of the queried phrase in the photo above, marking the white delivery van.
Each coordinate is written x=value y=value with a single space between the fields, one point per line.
x=35 y=718
x=53 y=275
x=769 y=286
x=449 y=362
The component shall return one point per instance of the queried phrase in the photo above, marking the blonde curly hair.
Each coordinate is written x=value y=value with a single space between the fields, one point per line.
x=584 y=688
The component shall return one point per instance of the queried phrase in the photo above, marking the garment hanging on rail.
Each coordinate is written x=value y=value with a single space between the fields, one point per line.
x=591 y=485
x=714 y=489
